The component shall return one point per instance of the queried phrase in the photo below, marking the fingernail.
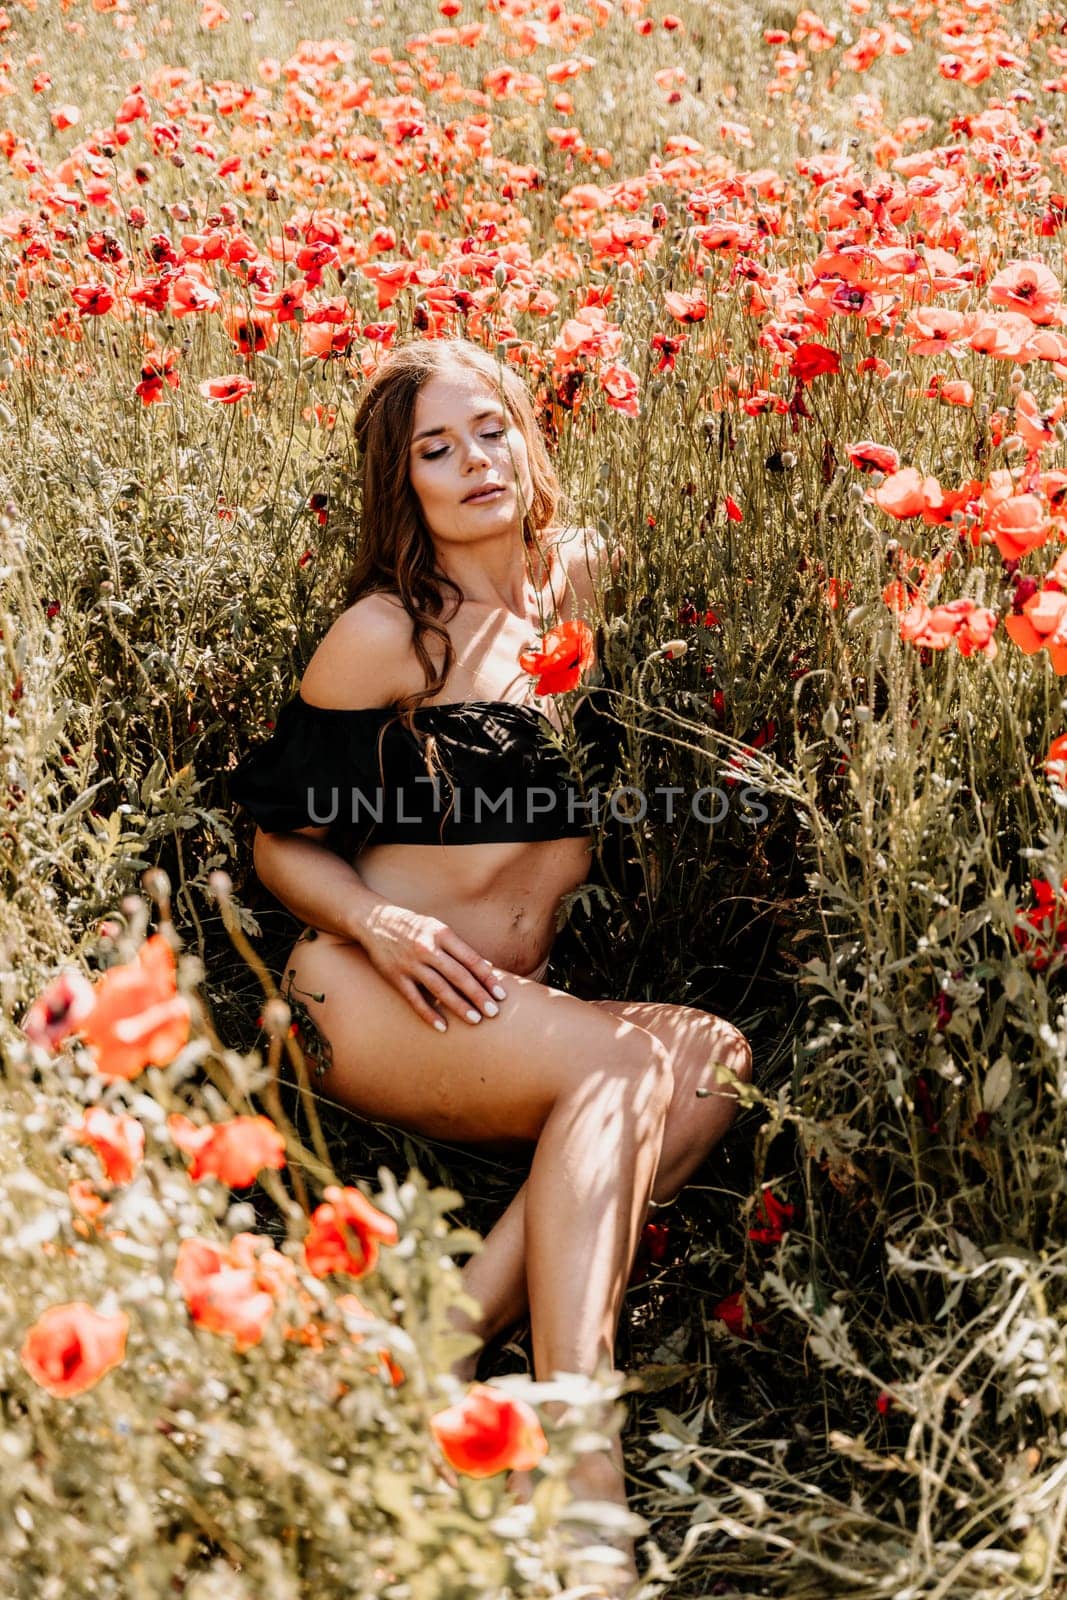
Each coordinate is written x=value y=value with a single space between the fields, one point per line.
x=474 y=1016
x=500 y=993
x=440 y=1025
x=490 y=1009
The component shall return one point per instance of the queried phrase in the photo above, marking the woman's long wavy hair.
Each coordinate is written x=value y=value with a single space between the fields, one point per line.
x=396 y=553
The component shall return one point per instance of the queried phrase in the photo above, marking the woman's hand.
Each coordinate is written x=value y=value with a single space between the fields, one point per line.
x=414 y=952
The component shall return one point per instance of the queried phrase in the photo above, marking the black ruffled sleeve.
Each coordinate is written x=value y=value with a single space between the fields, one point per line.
x=302 y=776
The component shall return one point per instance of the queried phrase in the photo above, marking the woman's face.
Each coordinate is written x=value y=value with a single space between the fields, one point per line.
x=463 y=441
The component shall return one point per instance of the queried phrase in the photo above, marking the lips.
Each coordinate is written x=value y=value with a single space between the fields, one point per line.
x=484 y=494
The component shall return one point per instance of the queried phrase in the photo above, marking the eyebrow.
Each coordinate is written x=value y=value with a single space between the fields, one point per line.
x=427 y=433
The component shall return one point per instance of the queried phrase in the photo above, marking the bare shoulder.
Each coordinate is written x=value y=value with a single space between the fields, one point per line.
x=586 y=558
x=364 y=660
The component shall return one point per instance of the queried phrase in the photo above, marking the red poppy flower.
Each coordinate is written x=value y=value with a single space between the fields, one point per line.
x=117 y=1139
x=489 y=1432
x=813 y=360
x=906 y=493
x=152 y=293
x=732 y=1312
x=1041 y=623
x=777 y=1216
x=345 y=1233
x=1047 y=919
x=565 y=654
x=251 y=331
x=651 y=1250
x=685 y=307
x=286 y=303
x=956 y=392
x=1019 y=523
x=103 y=246
x=92 y=299
x=233 y=1289
x=234 y=1151
x=1029 y=287
x=1056 y=761
x=932 y=330
x=668 y=349
x=189 y=294
x=59 y=1010
x=139 y=1018
x=619 y=385
x=71 y=1347
x=871 y=457
x=157 y=371
x=227 y=390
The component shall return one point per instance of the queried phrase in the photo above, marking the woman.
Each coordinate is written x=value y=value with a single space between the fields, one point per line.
x=436 y=926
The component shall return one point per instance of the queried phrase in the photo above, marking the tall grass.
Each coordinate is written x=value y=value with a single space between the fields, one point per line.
x=887 y=1419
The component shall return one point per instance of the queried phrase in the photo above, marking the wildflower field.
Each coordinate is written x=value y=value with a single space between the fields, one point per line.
x=788 y=291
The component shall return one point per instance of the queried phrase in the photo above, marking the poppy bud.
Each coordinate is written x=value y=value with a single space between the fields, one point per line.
x=674 y=648
x=156 y=883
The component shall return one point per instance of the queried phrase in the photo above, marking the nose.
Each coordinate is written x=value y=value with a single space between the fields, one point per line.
x=477 y=453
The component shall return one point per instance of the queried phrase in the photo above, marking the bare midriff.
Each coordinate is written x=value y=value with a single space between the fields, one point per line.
x=501 y=898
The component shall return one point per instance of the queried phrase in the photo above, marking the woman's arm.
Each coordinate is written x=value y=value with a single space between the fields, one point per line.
x=364 y=661
x=314 y=883
x=414 y=953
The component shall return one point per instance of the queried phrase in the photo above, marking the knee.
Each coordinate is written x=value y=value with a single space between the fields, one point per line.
x=738 y=1056
x=650 y=1067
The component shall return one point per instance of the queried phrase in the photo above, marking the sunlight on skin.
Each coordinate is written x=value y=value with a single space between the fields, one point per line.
x=495 y=1276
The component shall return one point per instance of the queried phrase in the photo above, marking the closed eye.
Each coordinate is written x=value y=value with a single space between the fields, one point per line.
x=434 y=455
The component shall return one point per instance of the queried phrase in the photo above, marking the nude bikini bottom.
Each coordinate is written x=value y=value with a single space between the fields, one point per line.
x=539 y=975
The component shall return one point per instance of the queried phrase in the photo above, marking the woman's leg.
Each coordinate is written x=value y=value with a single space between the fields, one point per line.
x=698 y=1044
x=589 y=1089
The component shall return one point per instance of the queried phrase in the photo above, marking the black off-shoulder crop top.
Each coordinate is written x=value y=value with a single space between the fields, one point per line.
x=506 y=774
